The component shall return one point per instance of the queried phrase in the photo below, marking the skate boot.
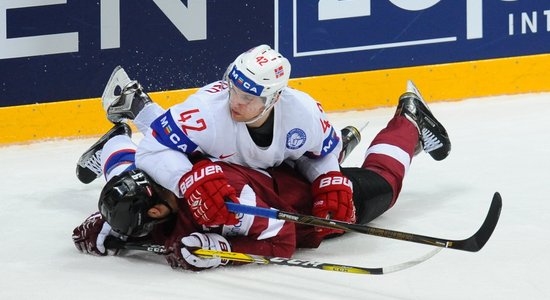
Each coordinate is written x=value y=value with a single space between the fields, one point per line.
x=433 y=137
x=350 y=139
x=123 y=98
x=88 y=167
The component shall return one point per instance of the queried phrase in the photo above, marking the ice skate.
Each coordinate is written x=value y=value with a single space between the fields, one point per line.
x=123 y=98
x=88 y=167
x=351 y=137
x=433 y=137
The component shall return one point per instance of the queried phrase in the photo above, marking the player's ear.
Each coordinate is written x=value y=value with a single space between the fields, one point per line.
x=155 y=212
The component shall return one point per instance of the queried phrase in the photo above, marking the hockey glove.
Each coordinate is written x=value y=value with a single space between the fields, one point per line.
x=332 y=199
x=90 y=236
x=180 y=253
x=205 y=189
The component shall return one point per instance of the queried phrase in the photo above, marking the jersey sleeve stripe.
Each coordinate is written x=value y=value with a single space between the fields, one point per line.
x=273 y=228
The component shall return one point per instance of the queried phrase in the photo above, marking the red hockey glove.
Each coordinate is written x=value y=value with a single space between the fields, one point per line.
x=205 y=188
x=91 y=234
x=332 y=199
x=180 y=253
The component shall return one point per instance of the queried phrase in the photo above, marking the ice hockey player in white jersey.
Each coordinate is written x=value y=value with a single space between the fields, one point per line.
x=250 y=118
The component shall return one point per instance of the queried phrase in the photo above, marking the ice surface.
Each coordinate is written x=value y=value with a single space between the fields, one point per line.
x=499 y=144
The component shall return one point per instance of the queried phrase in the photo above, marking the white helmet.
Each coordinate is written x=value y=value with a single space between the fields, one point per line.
x=260 y=71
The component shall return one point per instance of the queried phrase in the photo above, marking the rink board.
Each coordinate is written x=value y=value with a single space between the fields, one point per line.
x=350 y=91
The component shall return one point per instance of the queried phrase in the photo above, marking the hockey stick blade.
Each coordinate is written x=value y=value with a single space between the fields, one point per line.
x=472 y=244
x=480 y=238
x=112 y=243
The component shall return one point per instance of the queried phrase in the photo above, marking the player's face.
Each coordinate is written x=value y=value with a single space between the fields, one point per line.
x=244 y=106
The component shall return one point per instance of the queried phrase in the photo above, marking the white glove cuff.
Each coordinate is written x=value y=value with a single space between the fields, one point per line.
x=102 y=236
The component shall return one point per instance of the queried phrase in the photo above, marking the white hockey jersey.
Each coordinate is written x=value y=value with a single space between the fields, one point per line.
x=302 y=134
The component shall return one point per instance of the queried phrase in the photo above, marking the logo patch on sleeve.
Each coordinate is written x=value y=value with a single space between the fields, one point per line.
x=330 y=142
x=169 y=134
x=295 y=138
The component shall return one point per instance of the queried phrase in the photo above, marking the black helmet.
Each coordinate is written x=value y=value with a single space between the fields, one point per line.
x=124 y=202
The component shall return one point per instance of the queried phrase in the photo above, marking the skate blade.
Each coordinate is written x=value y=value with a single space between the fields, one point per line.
x=119 y=79
x=411 y=88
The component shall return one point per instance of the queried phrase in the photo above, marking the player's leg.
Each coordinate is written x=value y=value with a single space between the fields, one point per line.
x=89 y=167
x=378 y=184
x=118 y=156
x=372 y=194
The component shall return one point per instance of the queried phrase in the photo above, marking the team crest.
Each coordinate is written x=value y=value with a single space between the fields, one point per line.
x=295 y=138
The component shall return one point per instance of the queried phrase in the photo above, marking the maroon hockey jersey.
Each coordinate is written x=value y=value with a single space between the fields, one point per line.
x=280 y=188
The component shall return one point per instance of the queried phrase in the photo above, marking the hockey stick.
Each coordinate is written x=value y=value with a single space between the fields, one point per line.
x=472 y=244
x=266 y=260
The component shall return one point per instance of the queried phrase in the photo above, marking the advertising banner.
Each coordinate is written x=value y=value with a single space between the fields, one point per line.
x=56 y=50
x=338 y=36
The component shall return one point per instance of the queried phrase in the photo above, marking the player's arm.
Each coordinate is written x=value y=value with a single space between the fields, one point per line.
x=89 y=237
x=251 y=235
x=323 y=145
x=176 y=136
x=332 y=191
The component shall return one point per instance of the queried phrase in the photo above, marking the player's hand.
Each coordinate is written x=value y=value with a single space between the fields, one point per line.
x=90 y=236
x=205 y=189
x=180 y=252
x=332 y=199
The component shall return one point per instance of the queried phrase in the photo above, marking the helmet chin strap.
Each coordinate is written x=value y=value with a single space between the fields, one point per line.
x=266 y=109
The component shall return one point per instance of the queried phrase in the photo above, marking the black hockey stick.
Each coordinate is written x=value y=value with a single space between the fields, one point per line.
x=112 y=243
x=472 y=244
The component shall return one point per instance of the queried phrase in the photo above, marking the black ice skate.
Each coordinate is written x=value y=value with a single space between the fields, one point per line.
x=88 y=167
x=351 y=137
x=433 y=137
